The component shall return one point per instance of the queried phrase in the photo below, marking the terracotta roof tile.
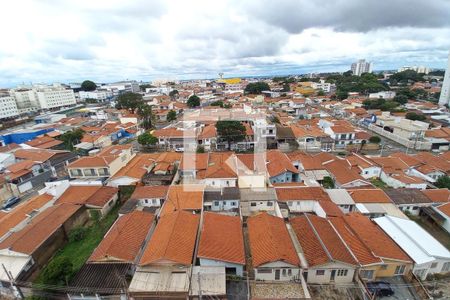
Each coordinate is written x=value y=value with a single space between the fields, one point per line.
x=379 y=243
x=125 y=238
x=102 y=196
x=154 y=191
x=437 y=195
x=270 y=240
x=76 y=194
x=19 y=214
x=369 y=196
x=138 y=166
x=37 y=155
x=445 y=209
x=222 y=238
x=28 y=239
x=301 y=193
x=278 y=163
x=183 y=197
x=173 y=240
x=319 y=241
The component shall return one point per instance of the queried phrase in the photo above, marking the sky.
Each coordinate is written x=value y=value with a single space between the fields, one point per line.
x=69 y=41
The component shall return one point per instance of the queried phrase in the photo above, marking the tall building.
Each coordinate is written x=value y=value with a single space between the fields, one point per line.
x=445 y=91
x=361 y=66
x=418 y=69
x=8 y=107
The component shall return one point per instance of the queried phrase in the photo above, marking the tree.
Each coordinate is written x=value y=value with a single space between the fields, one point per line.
x=88 y=86
x=200 y=149
x=286 y=88
x=217 y=103
x=402 y=99
x=58 y=271
x=443 y=182
x=328 y=182
x=145 y=112
x=147 y=139
x=405 y=77
x=320 y=93
x=173 y=94
x=256 y=87
x=171 y=116
x=375 y=139
x=143 y=87
x=71 y=138
x=130 y=101
x=230 y=131
x=415 y=117
x=275 y=120
x=193 y=101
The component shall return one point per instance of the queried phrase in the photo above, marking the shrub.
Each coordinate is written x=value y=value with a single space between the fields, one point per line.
x=375 y=139
x=77 y=234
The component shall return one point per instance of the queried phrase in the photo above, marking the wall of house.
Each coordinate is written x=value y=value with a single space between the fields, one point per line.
x=391 y=181
x=370 y=172
x=284 y=177
x=218 y=263
x=150 y=202
x=220 y=182
x=257 y=206
x=268 y=271
x=322 y=274
x=389 y=267
x=219 y=205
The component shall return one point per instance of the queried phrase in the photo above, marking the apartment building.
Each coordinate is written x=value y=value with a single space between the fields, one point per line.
x=8 y=106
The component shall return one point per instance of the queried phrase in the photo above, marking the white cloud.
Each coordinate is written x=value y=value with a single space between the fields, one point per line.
x=45 y=41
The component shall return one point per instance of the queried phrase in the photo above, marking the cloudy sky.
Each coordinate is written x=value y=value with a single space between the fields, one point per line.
x=68 y=41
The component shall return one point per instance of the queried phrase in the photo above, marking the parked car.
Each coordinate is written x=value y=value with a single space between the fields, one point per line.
x=179 y=149
x=380 y=288
x=10 y=202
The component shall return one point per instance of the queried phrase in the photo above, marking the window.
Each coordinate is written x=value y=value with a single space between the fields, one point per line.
x=284 y=272
x=146 y=201
x=269 y=203
x=433 y=265
x=383 y=267
x=366 y=172
x=233 y=203
x=320 y=272
x=342 y=272
x=367 y=274
x=264 y=271
x=216 y=203
x=289 y=272
x=399 y=270
x=253 y=204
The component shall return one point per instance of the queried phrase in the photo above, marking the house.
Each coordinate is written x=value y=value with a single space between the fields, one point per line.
x=440 y=215
x=225 y=200
x=344 y=175
x=342 y=134
x=342 y=199
x=26 y=251
x=280 y=168
x=103 y=165
x=183 y=197
x=310 y=138
x=361 y=231
x=365 y=166
x=310 y=168
x=272 y=252
x=134 y=172
x=193 y=166
x=176 y=138
x=222 y=243
x=165 y=266
x=208 y=137
x=149 y=198
x=429 y=256
x=299 y=200
x=220 y=170
x=255 y=200
x=374 y=202
x=115 y=256
x=328 y=258
x=23 y=213
x=45 y=142
x=409 y=200
x=93 y=197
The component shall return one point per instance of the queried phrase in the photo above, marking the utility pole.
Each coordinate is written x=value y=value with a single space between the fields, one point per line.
x=248 y=287
x=13 y=284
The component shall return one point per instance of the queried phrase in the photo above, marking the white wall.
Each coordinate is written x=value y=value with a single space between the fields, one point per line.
x=370 y=172
x=272 y=267
x=326 y=277
x=218 y=263
x=220 y=182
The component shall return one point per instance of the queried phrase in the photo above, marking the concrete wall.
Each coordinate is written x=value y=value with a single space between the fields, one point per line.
x=268 y=271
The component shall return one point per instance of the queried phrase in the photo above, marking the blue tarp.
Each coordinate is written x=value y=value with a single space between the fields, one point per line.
x=21 y=137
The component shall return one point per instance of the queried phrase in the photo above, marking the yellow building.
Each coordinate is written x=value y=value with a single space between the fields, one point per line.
x=229 y=80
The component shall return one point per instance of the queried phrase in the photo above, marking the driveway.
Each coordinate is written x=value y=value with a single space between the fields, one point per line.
x=401 y=290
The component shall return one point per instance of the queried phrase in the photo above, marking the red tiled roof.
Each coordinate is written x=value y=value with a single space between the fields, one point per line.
x=437 y=195
x=28 y=239
x=183 y=197
x=372 y=195
x=156 y=191
x=445 y=209
x=173 y=240
x=270 y=240
x=19 y=214
x=301 y=193
x=125 y=238
x=379 y=243
x=222 y=238
x=278 y=163
x=319 y=241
